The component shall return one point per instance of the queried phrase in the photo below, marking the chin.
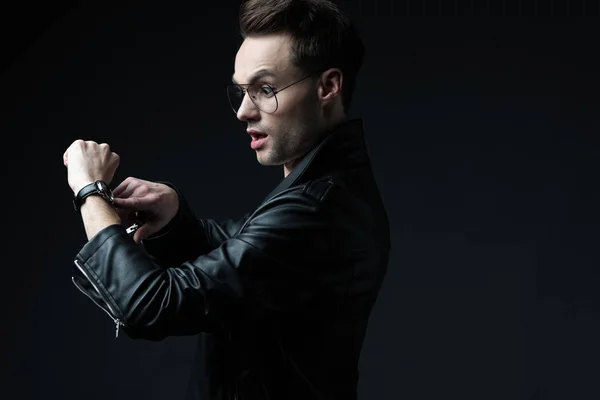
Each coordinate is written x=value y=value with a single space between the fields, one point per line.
x=266 y=160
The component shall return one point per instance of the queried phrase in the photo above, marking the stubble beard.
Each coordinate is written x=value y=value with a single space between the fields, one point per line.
x=288 y=145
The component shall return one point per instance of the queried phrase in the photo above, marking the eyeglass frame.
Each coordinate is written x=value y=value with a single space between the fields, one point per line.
x=239 y=85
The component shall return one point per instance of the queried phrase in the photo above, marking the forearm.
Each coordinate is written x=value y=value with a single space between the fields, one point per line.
x=97 y=214
x=150 y=302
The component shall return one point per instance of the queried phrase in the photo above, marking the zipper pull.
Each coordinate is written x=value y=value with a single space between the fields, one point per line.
x=117 y=323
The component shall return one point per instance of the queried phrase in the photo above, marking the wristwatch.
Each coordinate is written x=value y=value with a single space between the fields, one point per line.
x=98 y=187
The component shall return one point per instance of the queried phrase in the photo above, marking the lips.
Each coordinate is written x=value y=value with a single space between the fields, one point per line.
x=256 y=134
x=258 y=138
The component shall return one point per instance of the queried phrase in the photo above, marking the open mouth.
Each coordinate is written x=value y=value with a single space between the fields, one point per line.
x=256 y=136
x=258 y=141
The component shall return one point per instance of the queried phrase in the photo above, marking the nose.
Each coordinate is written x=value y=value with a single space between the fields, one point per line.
x=248 y=110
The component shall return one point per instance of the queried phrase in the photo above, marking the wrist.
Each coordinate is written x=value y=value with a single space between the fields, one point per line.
x=85 y=190
x=174 y=200
x=97 y=215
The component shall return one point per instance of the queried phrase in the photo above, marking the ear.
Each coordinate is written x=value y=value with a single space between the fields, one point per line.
x=330 y=85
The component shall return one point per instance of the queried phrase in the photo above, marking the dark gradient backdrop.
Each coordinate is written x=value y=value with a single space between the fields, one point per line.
x=482 y=123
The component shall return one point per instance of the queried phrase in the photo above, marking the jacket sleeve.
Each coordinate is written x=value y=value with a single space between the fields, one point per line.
x=186 y=237
x=267 y=267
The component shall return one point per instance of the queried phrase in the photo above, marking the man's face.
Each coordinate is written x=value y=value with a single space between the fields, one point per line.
x=292 y=130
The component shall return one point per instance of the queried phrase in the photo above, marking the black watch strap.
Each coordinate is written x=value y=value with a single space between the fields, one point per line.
x=98 y=187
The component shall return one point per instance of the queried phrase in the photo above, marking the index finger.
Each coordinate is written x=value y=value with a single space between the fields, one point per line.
x=121 y=187
x=131 y=203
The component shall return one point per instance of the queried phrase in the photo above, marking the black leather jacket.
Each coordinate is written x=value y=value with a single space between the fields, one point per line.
x=280 y=299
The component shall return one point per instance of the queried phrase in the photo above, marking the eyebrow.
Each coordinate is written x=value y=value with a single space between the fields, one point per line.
x=261 y=73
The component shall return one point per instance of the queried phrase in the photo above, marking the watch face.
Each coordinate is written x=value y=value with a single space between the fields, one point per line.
x=105 y=190
x=101 y=186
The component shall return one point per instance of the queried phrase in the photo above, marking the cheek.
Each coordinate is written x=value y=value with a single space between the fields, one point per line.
x=293 y=116
x=295 y=102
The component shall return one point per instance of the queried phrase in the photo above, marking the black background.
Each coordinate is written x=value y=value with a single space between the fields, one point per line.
x=482 y=123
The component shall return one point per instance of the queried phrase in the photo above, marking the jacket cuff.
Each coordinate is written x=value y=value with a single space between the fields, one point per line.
x=87 y=279
x=88 y=250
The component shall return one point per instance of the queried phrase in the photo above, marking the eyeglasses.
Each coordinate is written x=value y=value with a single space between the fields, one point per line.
x=262 y=95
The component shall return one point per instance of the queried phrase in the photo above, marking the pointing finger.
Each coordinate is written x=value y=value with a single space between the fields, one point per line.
x=132 y=203
x=122 y=187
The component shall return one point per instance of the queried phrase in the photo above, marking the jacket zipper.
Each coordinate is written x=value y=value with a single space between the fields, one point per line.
x=112 y=312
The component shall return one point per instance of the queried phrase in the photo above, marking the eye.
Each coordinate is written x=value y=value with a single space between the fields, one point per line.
x=266 y=90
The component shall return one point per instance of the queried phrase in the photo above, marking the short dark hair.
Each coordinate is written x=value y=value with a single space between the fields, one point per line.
x=322 y=35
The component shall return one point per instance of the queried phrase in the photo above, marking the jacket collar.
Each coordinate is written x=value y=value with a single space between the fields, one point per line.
x=343 y=148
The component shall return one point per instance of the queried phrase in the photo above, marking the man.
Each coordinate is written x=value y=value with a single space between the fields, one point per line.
x=281 y=298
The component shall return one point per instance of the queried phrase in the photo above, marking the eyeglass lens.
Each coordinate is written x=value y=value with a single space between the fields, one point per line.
x=262 y=95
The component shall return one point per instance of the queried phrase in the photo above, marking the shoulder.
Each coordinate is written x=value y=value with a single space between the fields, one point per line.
x=318 y=189
x=299 y=211
x=308 y=196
